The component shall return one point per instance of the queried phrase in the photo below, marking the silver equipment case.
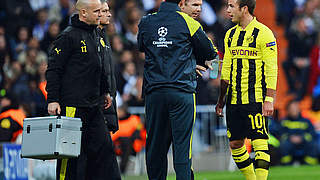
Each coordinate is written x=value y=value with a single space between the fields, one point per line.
x=51 y=137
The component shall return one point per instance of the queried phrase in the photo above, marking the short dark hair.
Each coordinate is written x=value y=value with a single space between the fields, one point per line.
x=251 y=4
x=174 y=1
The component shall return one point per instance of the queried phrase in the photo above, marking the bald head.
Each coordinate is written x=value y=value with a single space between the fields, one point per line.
x=83 y=4
x=89 y=11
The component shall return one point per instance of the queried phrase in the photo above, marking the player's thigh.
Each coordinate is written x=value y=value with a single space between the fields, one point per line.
x=256 y=123
x=236 y=123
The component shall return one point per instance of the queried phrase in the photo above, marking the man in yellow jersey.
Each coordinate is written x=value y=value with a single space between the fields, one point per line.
x=249 y=74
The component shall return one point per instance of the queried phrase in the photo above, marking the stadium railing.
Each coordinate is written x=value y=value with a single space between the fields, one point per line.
x=210 y=143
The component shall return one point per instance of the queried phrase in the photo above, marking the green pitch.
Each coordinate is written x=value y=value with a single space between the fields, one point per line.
x=275 y=173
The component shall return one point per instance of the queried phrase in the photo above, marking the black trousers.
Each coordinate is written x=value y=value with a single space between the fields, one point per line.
x=170 y=116
x=97 y=160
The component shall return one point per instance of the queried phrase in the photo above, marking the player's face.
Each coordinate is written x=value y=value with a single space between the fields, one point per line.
x=234 y=11
x=93 y=12
x=105 y=14
x=192 y=8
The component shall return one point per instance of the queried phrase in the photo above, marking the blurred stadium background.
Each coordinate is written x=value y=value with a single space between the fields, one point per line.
x=27 y=27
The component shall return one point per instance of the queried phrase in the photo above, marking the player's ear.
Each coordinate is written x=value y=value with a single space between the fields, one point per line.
x=181 y=4
x=245 y=9
x=83 y=12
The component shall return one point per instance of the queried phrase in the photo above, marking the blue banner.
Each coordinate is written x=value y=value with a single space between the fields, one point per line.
x=14 y=167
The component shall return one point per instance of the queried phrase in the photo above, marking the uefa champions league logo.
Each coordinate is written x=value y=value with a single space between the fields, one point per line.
x=162 y=32
x=162 y=41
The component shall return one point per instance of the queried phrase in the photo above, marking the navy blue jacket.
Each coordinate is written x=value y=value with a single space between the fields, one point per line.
x=299 y=126
x=173 y=43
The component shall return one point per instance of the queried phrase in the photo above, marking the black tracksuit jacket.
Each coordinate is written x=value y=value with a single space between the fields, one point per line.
x=75 y=74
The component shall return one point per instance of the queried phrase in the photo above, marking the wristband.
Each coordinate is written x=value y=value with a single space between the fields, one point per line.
x=269 y=99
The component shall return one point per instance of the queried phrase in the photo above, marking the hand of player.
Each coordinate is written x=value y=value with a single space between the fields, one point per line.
x=199 y=69
x=219 y=108
x=267 y=108
x=54 y=108
x=107 y=101
x=208 y=64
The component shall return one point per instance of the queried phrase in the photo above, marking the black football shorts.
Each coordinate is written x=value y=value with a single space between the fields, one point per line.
x=246 y=121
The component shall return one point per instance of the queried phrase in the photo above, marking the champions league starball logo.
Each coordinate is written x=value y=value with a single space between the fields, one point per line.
x=162 y=32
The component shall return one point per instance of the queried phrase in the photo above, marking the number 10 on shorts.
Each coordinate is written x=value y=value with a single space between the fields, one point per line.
x=258 y=122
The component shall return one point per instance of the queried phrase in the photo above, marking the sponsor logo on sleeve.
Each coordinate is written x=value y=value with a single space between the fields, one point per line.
x=271 y=44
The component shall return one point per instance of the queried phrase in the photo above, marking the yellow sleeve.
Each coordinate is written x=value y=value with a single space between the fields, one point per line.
x=270 y=58
x=215 y=48
x=226 y=64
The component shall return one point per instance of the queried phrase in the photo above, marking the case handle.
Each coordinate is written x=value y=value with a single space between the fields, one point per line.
x=58 y=115
x=50 y=127
x=28 y=129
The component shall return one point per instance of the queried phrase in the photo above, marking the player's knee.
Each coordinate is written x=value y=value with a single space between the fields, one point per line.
x=236 y=144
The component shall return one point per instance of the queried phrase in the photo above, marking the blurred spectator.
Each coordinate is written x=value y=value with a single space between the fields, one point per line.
x=285 y=11
x=4 y=56
x=156 y=6
x=314 y=66
x=127 y=78
x=132 y=93
x=122 y=74
x=19 y=42
x=31 y=60
x=208 y=15
x=117 y=46
x=316 y=89
x=18 y=13
x=11 y=119
x=301 y=39
x=314 y=115
x=50 y=36
x=298 y=137
x=217 y=4
x=16 y=80
x=214 y=90
x=32 y=57
x=132 y=21
x=220 y=27
x=42 y=78
x=2 y=30
x=275 y=128
x=131 y=137
x=40 y=4
x=42 y=26
x=147 y=4
x=2 y=12
x=207 y=89
x=111 y=28
x=34 y=98
x=61 y=12
x=311 y=11
x=123 y=13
